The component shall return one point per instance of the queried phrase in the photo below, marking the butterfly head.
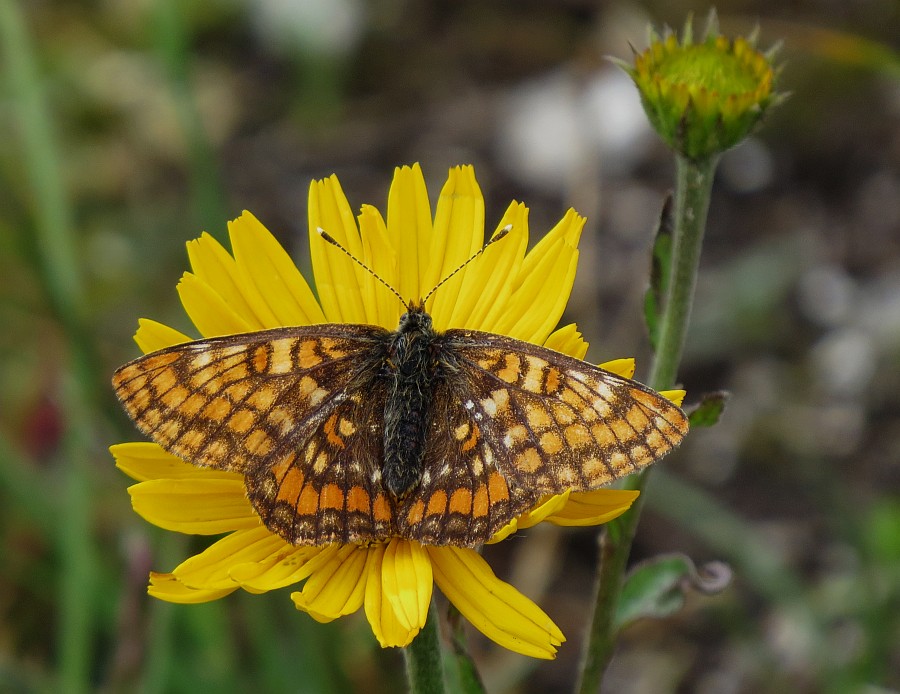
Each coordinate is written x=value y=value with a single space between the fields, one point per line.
x=415 y=319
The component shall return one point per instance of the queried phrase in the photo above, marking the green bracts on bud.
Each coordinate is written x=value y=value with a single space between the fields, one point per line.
x=703 y=98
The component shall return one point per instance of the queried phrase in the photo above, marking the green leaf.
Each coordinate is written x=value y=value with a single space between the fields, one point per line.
x=660 y=270
x=657 y=587
x=707 y=412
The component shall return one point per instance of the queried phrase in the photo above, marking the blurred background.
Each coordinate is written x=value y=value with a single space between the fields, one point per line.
x=126 y=129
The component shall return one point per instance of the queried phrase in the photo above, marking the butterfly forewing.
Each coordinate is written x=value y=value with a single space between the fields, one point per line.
x=557 y=423
x=283 y=407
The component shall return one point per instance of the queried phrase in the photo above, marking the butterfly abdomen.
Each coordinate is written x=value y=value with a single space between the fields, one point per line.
x=407 y=410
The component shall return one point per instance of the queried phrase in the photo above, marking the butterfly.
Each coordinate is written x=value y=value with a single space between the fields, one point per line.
x=349 y=433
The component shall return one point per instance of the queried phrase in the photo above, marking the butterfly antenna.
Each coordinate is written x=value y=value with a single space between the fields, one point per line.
x=330 y=239
x=499 y=235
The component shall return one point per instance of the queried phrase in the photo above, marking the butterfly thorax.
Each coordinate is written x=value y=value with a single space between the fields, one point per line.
x=411 y=370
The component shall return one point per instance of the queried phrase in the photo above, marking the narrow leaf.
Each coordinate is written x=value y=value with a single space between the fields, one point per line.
x=660 y=270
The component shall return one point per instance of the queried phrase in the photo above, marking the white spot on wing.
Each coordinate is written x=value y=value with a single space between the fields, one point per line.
x=489 y=406
x=604 y=391
x=317 y=396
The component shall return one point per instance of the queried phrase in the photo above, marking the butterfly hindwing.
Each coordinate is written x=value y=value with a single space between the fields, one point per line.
x=463 y=498
x=324 y=483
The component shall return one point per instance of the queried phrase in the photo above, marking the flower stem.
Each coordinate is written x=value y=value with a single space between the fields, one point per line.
x=423 y=659
x=693 y=184
x=692 y=194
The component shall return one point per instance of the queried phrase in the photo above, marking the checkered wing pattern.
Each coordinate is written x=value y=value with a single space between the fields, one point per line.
x=300 y=412
x=297 y=411
x=522 y=422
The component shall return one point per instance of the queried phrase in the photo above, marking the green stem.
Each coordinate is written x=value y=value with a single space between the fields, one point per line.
x=469 y=681
x=423 y=658
x=692 y=194
x=693 y=184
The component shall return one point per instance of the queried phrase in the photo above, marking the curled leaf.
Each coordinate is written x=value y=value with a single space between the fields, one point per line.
x=657 y=587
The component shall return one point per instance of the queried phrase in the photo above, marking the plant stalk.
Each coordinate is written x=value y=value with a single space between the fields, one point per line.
x=692 y=195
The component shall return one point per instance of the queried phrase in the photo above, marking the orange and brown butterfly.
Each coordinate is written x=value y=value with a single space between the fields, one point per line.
x=349 y=433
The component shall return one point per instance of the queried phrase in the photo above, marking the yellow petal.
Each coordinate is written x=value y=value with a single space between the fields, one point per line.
x=487 y=288
x=676 y=396
x=148 y=461
x=458 y=233
x=210 y=569
x=271 y=282
x=383 y=307
x=320 y=618
x=283 y=568
x=409 y=232
x=338 y=277
x=494 y=607
x=208 y=310
x=336 y=587
x=194 y=506
x=504 y=532
x=407 y=581
x=167 y=587
x=539 y=302
x=385 y=624
x=546 y=507
x=152 y=336
x=214 y=265
x=544 y=284
x=593 y=508
x=620 y=367
x=567 y=340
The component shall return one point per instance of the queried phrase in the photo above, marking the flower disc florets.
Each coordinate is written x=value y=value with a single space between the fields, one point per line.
x=703 y=98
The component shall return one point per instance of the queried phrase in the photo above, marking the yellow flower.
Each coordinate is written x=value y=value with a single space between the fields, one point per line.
x=257 y=287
